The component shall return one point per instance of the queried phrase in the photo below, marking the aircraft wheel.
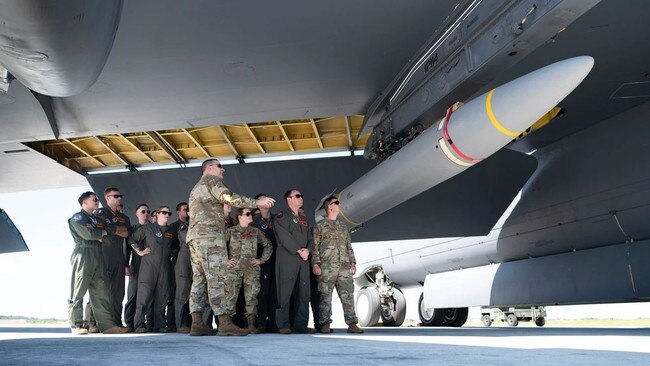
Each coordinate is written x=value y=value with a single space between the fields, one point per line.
x=540 y=322
x=368 y=307
x=512 y=320
x=487 y=321
x=396 y=317
x=451 y=317
x=427 y=316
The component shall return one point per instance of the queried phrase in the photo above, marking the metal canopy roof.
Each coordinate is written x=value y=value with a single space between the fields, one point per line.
x=186 y=145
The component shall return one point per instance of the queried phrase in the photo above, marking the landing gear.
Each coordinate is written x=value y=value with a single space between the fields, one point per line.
x=381 y=299
x=444 y=317
x=394 y=314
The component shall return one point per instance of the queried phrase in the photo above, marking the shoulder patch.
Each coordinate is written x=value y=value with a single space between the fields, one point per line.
x=77 y=217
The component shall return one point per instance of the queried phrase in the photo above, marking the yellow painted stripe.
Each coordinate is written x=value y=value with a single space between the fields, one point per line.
x=343 y=214
x=493 y=119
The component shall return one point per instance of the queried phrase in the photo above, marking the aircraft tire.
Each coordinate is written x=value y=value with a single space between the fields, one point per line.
x=540 y=322
x=368 y=307
x=427 y=318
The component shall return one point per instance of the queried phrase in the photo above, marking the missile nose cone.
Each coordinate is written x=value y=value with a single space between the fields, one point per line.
x=518 y=104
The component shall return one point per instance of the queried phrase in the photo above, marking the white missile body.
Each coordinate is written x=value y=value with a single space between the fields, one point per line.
x=476 y=130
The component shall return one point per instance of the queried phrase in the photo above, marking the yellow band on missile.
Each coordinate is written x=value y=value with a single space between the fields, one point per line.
x=342 y=214
x=493 y=119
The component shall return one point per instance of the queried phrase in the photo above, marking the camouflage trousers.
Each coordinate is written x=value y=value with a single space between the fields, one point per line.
x=340 y=278
x=250 y=277
x=210 y=281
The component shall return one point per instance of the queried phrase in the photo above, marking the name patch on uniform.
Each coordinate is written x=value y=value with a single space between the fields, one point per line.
x=169 y=235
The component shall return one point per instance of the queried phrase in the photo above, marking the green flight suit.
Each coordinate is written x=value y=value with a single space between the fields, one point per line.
x=88 y=274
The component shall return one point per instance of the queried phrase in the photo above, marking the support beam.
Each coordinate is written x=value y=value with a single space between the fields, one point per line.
x=286 y=137
x=165 y=146
x=197 y=143
x=250 y=132
x=84 y=152
x=348 y=132
x=113 y=152
x=135 y=147
x=228 y=140
x=313 y=125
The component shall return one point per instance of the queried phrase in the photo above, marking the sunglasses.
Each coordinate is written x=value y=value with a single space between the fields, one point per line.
x=334 y=203
x=298 y=195
x=144 y=211
x=217 y=165
x=165 y=213
x=246 y=214
x=115 y=195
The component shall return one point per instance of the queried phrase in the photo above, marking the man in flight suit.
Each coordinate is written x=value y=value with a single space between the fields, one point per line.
x=88 y=274
x=118 y=227
x=209 y=254
x=294 y=239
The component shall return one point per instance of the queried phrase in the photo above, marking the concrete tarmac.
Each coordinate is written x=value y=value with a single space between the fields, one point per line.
x=52 y=345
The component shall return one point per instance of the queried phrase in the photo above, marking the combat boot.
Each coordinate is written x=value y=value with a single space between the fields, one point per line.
x=354 y=328
x=198 y=328
x=325 y=328
x=93 y=329
x=251 y=325
x=116 y=330
x=183 y=330
x=228 y=328
x=79 y=330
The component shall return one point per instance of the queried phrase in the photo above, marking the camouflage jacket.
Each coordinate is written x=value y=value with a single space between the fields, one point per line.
x=332 y=244
x=86 y=229
x=242 y=244
x=114 y=246
x=206 y=207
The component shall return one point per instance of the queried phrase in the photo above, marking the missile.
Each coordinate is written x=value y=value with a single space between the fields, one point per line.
x=464 y=137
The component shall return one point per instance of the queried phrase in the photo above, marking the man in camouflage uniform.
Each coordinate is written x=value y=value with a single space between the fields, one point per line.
x=88 y=274
x=114 y=250
x=334 y=263
x=209 y=254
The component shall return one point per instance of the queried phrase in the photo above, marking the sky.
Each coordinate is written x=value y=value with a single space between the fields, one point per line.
x=37 y=283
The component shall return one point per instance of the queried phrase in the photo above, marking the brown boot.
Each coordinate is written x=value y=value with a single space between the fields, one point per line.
x=198 y=328
x=325 y=328
x=227 y=328
x=251 y=325
x=183 y=330
x=115 y=330
x=354 y=328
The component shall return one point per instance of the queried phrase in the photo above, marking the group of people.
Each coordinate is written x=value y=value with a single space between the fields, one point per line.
x=252 y=271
